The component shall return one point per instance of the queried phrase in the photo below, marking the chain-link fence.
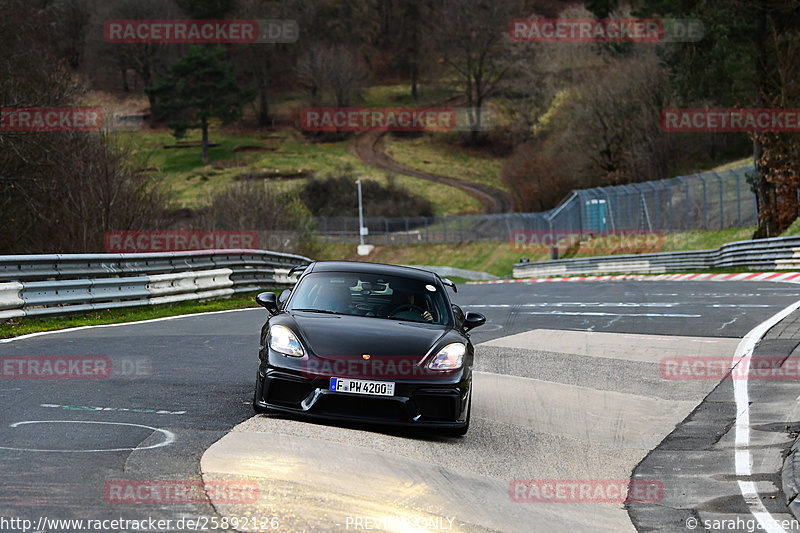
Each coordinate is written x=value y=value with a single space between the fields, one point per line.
x=710 y=200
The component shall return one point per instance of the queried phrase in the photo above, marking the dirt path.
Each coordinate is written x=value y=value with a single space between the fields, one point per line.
x=368 y=147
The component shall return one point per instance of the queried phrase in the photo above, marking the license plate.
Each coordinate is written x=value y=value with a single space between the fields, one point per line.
x=360 y=386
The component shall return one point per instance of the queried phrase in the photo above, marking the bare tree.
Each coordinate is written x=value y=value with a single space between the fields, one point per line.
x=538 y=72
x=332 y=74
x=73 y=17
x=59 y=191
x=612 y=121
x=261 y=63
x=474 y=38
x=148 y=61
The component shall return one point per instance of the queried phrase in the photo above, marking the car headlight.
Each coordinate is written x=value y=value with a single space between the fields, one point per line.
x=282 y=340
x=450 y=357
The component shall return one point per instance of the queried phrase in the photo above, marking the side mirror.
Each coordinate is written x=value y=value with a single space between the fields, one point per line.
x=458 y=314
x=450 y=284
x=268 y=301
x=284 y=295
x=473 y=320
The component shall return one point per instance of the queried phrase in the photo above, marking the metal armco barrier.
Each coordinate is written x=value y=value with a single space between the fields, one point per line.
x=780 y=253
x=39 y=285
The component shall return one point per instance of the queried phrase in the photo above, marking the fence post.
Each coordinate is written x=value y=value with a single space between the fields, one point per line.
x=630 y=207
x=643 y=201
x=609 y=209
x=738 y=199
x=755 y=203
x=427 y=237
x=669 y=194
x=686 y=184
x=461 y=228
x=408 y=237
x=705 y=201
x=721 y=203
x=658 y=207
x=444 y=224
x=386 y=228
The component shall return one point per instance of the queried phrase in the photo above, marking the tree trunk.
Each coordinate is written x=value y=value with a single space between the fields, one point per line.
x=414 y=76
x=204 y=126
x=124 y=75
x=414 y=52
x=760 y=190
x=263 y=98
x=765 y=191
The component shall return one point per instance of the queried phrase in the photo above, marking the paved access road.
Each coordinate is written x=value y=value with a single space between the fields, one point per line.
x=586 y=403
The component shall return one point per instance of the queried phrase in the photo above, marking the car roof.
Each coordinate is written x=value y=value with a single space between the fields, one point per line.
x=373 y=268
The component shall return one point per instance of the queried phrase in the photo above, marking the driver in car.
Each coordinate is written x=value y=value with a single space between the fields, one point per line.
x=404 y=308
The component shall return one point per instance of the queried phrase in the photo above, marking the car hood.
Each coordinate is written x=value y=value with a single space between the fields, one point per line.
x=341 y=336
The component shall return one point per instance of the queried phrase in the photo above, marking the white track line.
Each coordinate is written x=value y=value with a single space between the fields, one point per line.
x=118 y=324
x=743 y=459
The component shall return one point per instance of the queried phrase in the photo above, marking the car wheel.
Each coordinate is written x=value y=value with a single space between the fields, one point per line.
x=460 y=432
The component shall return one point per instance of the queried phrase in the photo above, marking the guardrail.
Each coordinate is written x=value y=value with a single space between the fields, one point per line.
x=40 y=285
x=779 y=253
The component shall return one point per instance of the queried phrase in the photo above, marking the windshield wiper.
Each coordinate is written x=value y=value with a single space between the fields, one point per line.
x=325 y=311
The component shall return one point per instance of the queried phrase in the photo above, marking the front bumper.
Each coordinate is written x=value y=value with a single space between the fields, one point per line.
x=416 y=403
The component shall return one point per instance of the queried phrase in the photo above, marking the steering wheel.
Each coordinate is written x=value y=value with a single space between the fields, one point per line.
x=409 y=306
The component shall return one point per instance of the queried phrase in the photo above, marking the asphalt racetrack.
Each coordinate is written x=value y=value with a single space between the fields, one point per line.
x=568 y=386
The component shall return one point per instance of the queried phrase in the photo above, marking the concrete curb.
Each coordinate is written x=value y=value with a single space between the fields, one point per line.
x=446 y=271
x=787 y=277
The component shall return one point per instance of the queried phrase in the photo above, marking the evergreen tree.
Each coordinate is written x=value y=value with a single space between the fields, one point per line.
x=201 y=86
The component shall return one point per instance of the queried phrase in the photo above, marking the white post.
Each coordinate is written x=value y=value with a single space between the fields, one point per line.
x=363 y=249
x=360 y=215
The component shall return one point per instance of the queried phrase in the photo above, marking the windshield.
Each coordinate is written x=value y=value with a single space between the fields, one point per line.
x=371 y=295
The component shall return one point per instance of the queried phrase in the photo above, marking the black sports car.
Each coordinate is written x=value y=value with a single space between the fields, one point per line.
x=367 y=342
